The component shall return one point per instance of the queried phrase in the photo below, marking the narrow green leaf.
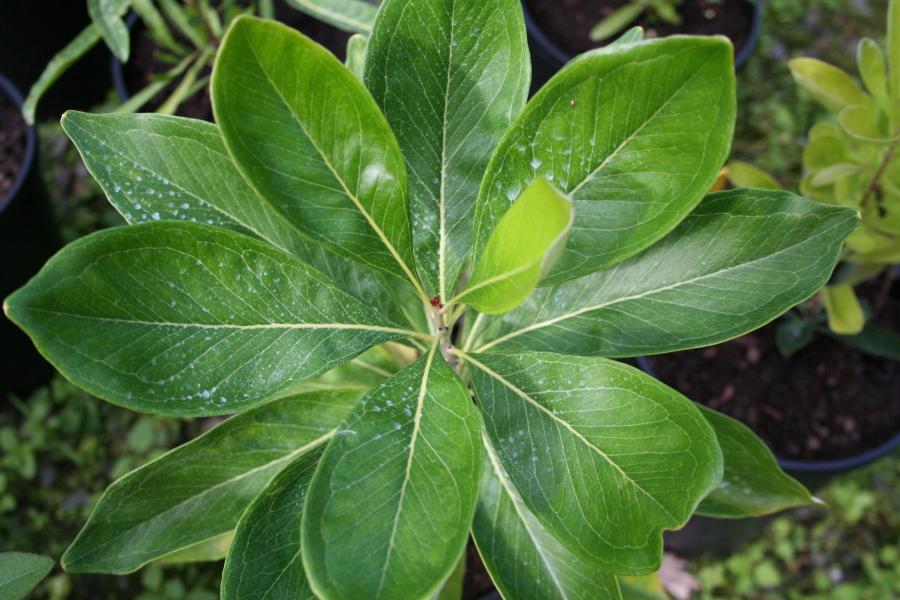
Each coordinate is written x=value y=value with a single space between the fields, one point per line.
x=264 y=562
x=187 y=86
x=526 y=562
x=153 y=20
x=737 y=262
x=603 y=455
x=617 y=21
x=633 y=35
x=873 y=69
x=635 y=164
x=745 y=175
x=198 y=491
x=188 y=319
x=107 y=18
x=875 y=340
x=845 y=315
x=174 y=11
x=523 y=247
x=357 y=48
x=322 y=154
x=410 y=453
x=893 y=38
x=349 y=15
x=21 y=572
x=753 y=484
x=58 y=65
x=179 y=169
x=450 y=76
x=831 y=86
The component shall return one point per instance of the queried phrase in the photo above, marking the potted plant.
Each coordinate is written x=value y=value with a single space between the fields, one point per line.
x=820 y=384
x=162 y=53
x=420 y=207
x=28 y=236
x=561 y=29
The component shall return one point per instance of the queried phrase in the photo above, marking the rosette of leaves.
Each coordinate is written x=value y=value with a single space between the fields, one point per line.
x=853 y=159
x=475 y=262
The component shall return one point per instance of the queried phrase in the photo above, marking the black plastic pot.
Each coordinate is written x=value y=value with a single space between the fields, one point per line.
x=703 y=535
x=28 y=237
x=548 y=57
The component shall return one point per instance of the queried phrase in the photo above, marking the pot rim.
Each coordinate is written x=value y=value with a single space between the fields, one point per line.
x=815 y=466
x=12 y=92
x=536 y=32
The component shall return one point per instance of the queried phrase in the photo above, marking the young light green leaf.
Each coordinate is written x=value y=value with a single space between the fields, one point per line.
x=845 y=315
x=107 y=18
x=450 y=76
x=264 y=562
x=188 y=319
x=873 y=69
x=411 y=454
x=357 y=48
x=58 y=65
x=349 y=15
x=745 y=175
x=210 y=550
x=175 y=169
x=526 y=562
x=20 y=572
x=753 y=484
x=635 y=164
x=862 y=123
x=616 y=21
x=603 y=455
x=198 y=491
x=322 y=154
x=635 y=34
x=156 y=25
x=523 y=247
x=737 y=262
x=831 y=86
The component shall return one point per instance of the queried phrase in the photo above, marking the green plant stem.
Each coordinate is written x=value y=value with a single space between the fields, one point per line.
x=879 y=173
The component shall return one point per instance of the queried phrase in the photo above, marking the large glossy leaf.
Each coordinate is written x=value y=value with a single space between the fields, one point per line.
x=20 y=572
x=389 y=508
x=450 y=76
x=603 y=455
x=349 y=15
x=264 y=562
x=523 y=247
x=309 y=138
x=156 y=167
x=188 y=319
x=199 y=491
x=634 y=133
x=738 y=261
x=524 y=560
x=752 y=483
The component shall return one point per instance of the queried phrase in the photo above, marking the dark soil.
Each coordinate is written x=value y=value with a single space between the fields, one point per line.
x=828 y=401
x=13 y=141
x=144 y=65
x=477 y=583
x=568 y=22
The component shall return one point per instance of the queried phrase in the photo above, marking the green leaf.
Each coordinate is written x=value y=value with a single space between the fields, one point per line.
x=197 y=492
x=635 y=34
x=452 y=588
x=175 y=169
x=832 y=173
x=845 y=315
x=526 y=562
x=862 y=123
x=210 y=550
x=737 y=262
x=107 y=17
x=753 y=484
x=410 y=453
x=603 y=455
x=321 y=153
x=450 y=77
x=349 y=15
x=893 y=39
x=188 y=319
x=832 y=87
x=635 y=164
x=745 y=175
x=264 y=562
x=617 y=20
x=21 y=572
x=794 y=334
x=357 y=48
x=873 y=69
x=58 y=65
x=875 y=340
x=523 y=247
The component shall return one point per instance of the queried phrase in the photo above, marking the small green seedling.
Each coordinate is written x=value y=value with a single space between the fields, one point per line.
x=618 y=20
